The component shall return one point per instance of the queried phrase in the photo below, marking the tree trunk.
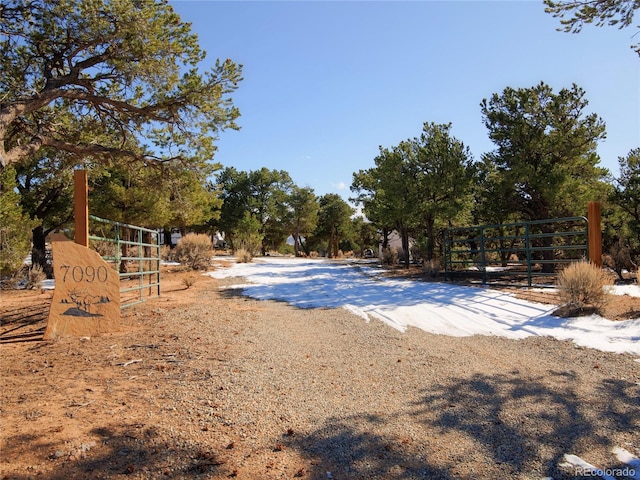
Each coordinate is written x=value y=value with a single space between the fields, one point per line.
x=333 y=244
x=39 y=251
x=547 y=255
x=385 y=242
x=124 y=250
x=296 y=243
x=167 y=237
x=406 y=254
x=430 y=225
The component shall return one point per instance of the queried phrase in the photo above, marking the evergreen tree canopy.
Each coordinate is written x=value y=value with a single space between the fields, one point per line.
x=263 y=195
x=627 y=193
x=601 y=12
x=93 y=77
x=418 y=184
x=303 y=215
x=546 y=150
x=334 y=221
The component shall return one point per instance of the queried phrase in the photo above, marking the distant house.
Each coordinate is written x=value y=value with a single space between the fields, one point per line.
x=175 y=236
x=217 y=239
x=394 y=241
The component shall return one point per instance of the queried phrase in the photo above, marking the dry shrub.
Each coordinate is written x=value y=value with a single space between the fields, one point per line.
x=194 y=251
x=313 y=254
x=167 y=253
x=390 y=256
x=432 y=267
x=618 y=258
x=150 y=265
x=286 y=249
x=582 y=284
x=35 y=277
x=243 y=256
x=104 y=248
x=189 y=279
x=12 y=282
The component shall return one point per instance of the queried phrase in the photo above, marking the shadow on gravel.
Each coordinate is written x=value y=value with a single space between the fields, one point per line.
x=23 y=324
x=123 y=452
x=528 y=426
x=346 y=448
x=508 y=426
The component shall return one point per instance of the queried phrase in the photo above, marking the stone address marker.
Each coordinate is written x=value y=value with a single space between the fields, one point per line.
x=86 y=300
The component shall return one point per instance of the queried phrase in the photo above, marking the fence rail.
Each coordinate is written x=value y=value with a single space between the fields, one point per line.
x=134 y=252
x=522 y=250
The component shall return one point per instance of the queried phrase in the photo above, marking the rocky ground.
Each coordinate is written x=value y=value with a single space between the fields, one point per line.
x=202 y=383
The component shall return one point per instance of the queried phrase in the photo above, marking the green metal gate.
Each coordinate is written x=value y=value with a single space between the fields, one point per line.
x=515 y=251
x=134 y=252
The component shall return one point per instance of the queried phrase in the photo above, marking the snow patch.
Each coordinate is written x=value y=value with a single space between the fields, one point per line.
x=435 y=307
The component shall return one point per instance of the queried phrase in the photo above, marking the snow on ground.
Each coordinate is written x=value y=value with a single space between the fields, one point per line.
x=630 y=468
x=436 y=307
x=631 y=290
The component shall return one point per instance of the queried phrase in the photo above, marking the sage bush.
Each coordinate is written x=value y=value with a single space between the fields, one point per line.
x=194 y=251
x=582 y=284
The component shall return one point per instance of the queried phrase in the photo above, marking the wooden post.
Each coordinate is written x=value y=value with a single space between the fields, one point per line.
x=81 y=207
x=595 y=233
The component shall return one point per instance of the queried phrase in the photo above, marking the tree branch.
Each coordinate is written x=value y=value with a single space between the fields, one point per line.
x=94 y=149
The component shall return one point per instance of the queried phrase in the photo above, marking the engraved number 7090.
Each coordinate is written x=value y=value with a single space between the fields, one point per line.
x=87 y=273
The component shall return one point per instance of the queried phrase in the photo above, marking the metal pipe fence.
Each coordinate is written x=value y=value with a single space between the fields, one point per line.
x=134 y=252
x=515 y=251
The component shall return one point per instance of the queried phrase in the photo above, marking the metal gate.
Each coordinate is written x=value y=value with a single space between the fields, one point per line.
x=134 y=252
x=515 y=251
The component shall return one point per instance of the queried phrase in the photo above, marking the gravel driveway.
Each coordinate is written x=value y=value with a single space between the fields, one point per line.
x=206 y=384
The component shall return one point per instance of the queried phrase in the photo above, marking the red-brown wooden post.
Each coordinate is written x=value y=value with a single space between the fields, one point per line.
x=81 y=207
x=595 y=233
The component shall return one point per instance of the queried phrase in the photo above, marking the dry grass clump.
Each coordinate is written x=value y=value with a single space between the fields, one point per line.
x=31 y=278
x=432 y=267
x=189 y=280
x=167 y=253
x=104 y=248
x=243 y=255
x=619 y=258
x=194 y=251
x=35 y=277
x=581 y=284
x=11 y=282
x=390 y=256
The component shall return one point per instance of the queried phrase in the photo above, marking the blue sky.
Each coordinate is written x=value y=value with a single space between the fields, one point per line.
x=327 y=82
